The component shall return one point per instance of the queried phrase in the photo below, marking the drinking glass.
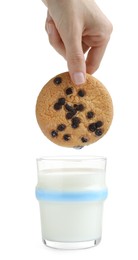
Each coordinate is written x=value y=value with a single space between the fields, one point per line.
x=71 y=192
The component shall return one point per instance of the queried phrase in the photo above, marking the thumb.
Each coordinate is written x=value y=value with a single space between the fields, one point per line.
x=75 y=60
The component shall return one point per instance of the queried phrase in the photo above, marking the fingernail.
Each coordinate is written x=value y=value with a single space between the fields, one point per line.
x=49 y=28
x=78 y=78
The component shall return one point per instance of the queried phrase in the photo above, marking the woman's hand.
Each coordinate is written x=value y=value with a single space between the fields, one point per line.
x=75 y=27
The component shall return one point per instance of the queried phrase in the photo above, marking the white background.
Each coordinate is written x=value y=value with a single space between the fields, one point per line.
x=27 y=62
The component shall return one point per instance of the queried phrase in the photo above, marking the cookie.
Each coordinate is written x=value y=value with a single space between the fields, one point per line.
x=74 y=116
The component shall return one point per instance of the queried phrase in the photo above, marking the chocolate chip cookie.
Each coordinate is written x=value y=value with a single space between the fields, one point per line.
x=74 y=116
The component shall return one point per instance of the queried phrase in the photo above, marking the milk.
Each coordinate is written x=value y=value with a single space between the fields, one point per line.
x=71 y=204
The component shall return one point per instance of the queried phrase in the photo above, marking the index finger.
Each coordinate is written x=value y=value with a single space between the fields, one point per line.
x=94 y=58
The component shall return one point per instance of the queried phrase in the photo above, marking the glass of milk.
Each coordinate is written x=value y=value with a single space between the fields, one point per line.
x=71 y=192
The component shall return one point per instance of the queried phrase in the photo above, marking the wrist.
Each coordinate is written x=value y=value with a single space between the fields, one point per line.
x=49 y=3
x=45 y=2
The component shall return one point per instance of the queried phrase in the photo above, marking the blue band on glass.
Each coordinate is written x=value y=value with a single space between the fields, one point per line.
x=71 y=196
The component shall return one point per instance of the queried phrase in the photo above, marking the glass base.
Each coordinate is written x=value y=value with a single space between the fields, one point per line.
x=72 y=245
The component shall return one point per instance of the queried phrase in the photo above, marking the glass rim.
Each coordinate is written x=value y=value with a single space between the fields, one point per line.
x=71 y=158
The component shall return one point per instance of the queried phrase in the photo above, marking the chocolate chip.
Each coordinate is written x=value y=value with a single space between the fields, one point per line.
x=57 y=106
x=69 y=115
x=98 y=124
x=54 y=133
x=75 y=122
x=84 y=139
x=81 y=93
x=80 y=107
x=69 y=91
x=75 y=126
x=98 y=132
x=69 y=108
x=92 y=127
x=66 y=137
x=57 y=80
x=61 y=101
x=61 y=127
x=78 y=147
x=90 y=114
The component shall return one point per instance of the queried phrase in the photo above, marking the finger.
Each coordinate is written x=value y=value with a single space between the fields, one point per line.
x=54 y=38
x=85 y=47
x=94 y=58
x=49 y=18
x=75 y=59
